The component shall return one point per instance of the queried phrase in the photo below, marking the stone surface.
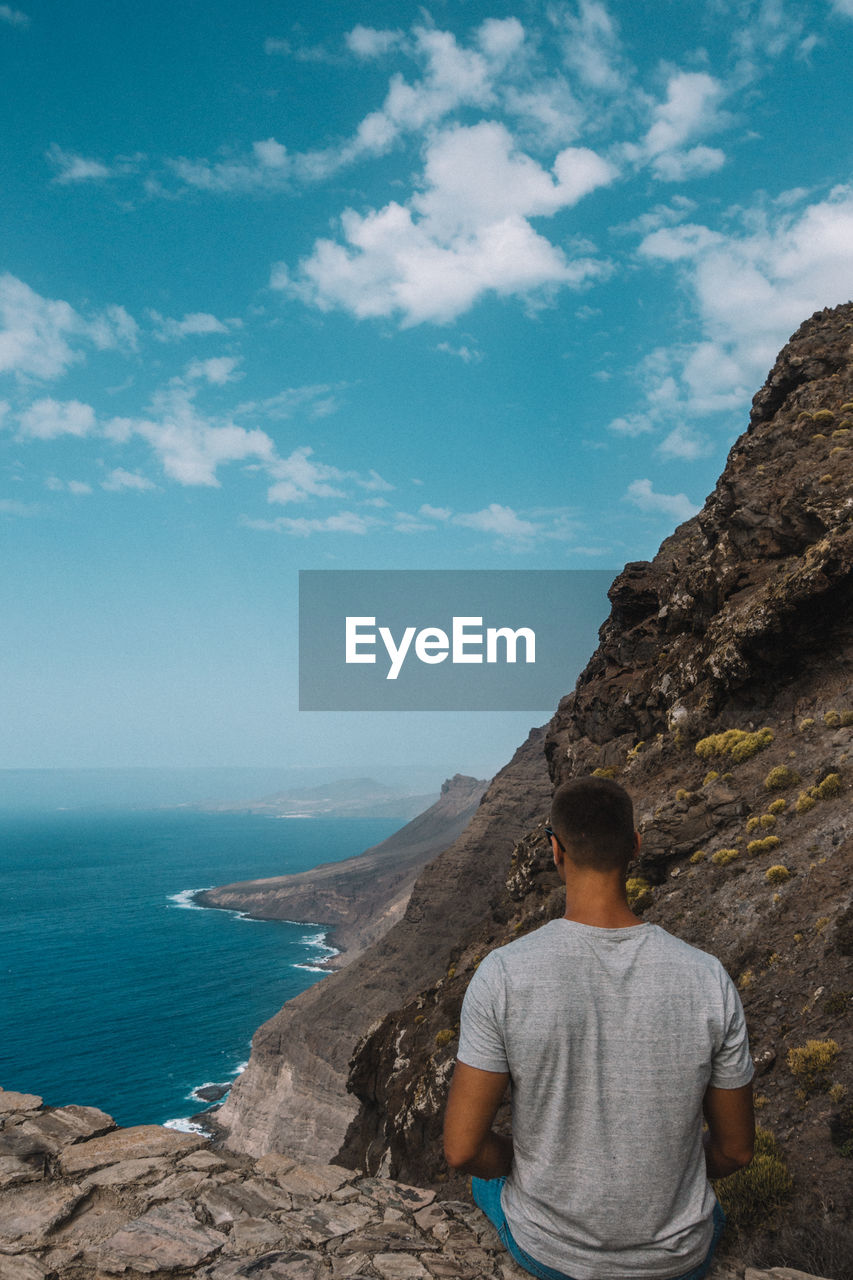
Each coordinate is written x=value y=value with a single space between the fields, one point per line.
x=21 y=1267
x=128 y=1144
x=34 y=1210
x=229 y=1217
x=167 y=1238
x=11 y=1101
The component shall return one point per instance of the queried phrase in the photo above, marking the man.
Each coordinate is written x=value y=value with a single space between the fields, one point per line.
x=616 y=1037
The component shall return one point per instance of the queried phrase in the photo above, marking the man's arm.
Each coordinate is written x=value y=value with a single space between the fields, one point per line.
x=731 y=1129
x=469 y=1143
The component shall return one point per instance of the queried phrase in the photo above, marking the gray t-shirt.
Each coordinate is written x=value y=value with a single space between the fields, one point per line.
x=610 y=1037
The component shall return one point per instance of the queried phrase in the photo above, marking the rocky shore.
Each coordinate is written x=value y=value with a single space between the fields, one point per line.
x=82 y=1198
x=359 y=898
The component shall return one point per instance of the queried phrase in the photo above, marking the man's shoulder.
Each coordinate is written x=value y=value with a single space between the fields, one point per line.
x=517 y=953
x=690 y=957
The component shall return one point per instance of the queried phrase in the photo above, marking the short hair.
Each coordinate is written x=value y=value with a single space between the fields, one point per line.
x=593 y=819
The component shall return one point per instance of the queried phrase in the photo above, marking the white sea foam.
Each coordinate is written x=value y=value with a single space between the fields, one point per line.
x=238 y=1071
x=184 y=1125
x=186 y=898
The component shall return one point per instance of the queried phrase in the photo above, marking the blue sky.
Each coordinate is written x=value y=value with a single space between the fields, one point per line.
x=482 y=285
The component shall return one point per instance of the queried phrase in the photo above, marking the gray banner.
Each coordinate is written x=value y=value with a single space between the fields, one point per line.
x=446 y=640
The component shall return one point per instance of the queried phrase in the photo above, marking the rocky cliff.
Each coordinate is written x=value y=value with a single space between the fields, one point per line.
x=292 y=1097
x=82 y=1198
x=721 y=696
x=362 y=897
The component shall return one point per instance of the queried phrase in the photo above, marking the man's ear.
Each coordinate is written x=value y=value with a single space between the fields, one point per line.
x=559 y=855
x=638 y=844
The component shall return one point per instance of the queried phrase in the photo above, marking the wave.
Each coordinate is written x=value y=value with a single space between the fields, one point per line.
x=184 y=1125
x=186 y=898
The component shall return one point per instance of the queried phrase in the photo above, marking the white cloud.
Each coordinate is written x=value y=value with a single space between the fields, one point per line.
x=266 y=167
x=368 y=42
x=14 y=17
x=372 y=481
x=690 y=110
x=36 y=332
x=470 y=355
x=750 y=291
x=843 y=7
x=464 y=235
x=13 y=507
x=303 y=526
x=676 y=166
x=591 y=46
x=189 y=446
x=685 y=443
x=317 y=401
x=48 y=419
x=218 y=370
x=676 y=506
x=299 y=477
x=77 y=487
x=195 y=323
x=499 y=520
x=119 y=479
x=71 y=167
x=434 y=513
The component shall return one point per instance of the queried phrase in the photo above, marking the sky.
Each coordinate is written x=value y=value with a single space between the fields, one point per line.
x=380 y=286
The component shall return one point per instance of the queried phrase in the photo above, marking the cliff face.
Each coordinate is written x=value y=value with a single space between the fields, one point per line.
x=292 y=1097
x=741 y=622
x=360 y=897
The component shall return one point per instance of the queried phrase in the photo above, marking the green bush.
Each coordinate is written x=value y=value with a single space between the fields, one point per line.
x=638 y=891
x=832 y=719
x=444 y=1037
x=765 y=845
x=778 y=806
x=768 y=821
x=810 y=1064
x=805 y=801
x=750 y=1196
x=739 y=744
x=609 y=772
x=724 y=856
x=831 y=786
x=777 y=874
x=780 y=778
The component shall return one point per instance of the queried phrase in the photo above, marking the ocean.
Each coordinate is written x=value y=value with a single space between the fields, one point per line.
x=116 y=991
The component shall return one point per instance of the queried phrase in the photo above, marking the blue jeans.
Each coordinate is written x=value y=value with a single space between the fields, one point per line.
x=487 y=1195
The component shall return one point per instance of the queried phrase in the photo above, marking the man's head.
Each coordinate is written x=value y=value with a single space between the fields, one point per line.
x=593 y=820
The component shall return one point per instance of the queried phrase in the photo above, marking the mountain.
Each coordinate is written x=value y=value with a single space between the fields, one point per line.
x=341 y=798
x=721 y=696
x=360 y=897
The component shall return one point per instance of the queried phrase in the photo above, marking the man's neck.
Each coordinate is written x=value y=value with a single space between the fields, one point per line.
x=598 y=900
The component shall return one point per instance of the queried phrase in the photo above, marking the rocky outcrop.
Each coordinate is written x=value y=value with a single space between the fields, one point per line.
x=742 y=622
x=292 y=1097
x=362 y=897
x=82 y=1198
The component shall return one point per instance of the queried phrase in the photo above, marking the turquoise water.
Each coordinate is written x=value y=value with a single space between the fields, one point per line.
x=117 y=992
